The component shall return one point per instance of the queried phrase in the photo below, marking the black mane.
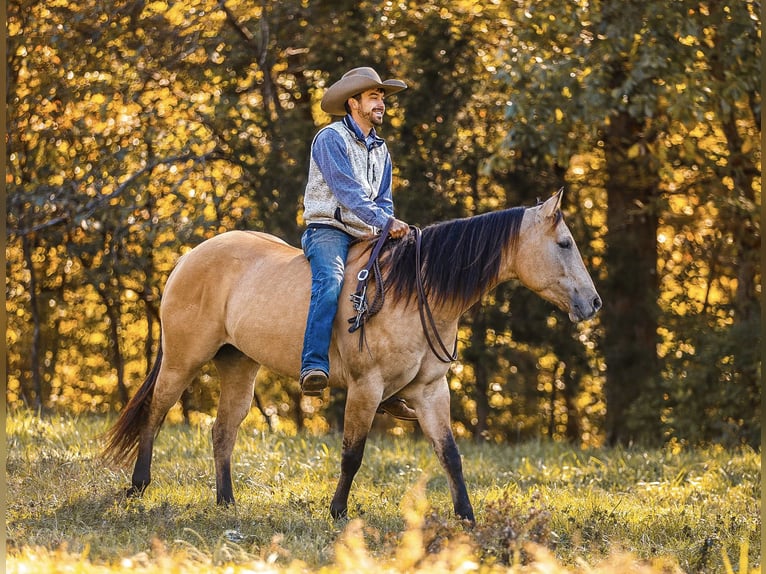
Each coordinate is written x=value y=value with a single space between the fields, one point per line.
x=460 y=258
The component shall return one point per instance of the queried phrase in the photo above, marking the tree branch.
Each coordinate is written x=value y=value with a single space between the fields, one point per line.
x=103 y=200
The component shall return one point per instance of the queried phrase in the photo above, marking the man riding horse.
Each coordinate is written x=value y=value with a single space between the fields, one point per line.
x=348 y=196
x=240 y=299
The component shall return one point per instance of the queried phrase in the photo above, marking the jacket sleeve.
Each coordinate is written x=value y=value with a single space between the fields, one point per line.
x=329 y=153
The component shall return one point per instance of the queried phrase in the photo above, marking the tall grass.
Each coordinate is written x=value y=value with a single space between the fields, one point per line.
x=540 y=507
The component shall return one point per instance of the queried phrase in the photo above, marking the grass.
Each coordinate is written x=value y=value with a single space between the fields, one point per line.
x=541 y=507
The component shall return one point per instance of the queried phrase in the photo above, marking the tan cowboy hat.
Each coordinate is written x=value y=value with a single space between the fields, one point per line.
x=355 y=82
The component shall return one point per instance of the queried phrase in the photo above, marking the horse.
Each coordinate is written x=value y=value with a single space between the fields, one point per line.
x=241 y=300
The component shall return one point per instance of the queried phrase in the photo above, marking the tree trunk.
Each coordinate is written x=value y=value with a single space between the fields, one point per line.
x=747 y=241
x=571 y=378
x=631 y=292
x=477 y=356
x=113 y=312
x=552 y=412
x=36 y=400
x=482 y=402
x=152 y=315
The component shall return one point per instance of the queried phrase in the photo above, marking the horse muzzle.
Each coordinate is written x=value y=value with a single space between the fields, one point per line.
x=583 y=308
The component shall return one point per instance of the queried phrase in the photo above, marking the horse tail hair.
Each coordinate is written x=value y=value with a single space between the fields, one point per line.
x=122 y=439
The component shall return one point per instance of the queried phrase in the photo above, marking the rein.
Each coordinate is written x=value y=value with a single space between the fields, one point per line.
x=359 y=298
x=426 y=317
x=364 y=311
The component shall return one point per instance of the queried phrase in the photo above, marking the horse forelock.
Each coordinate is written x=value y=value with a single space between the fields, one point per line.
x=460 y=258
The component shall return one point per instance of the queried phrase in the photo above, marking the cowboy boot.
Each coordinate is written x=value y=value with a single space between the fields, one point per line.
x=397 y=408
x=313 y=382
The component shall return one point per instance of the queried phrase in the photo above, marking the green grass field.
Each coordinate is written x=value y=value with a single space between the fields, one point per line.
x=541 y=507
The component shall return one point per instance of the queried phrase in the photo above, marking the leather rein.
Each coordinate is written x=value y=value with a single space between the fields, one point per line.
x=445 y=356
x=365 y=311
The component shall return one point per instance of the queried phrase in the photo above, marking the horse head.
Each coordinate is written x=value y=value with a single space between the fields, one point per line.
x=547 y=261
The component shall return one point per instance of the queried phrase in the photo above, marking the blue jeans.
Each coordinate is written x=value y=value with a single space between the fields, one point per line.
x=326 y=249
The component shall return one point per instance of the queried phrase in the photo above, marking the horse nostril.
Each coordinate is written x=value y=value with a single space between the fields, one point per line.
x=597 y=303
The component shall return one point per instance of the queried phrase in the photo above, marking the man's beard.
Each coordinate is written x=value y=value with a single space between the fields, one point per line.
x=373 y=118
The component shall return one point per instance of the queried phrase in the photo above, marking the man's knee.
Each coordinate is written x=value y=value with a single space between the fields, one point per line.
x=327 y=289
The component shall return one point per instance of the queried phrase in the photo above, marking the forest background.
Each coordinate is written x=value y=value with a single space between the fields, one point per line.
x=137 y=129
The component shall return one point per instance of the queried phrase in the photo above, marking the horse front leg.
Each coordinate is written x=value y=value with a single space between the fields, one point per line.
x=434 y=417
x=357 y=420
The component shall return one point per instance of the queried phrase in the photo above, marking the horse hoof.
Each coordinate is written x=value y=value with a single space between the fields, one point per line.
x=135 y=490
x=468 y=522
x=468 y=518
x=339 y=513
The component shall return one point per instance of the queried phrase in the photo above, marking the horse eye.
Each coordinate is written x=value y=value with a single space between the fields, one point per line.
x=565 y=243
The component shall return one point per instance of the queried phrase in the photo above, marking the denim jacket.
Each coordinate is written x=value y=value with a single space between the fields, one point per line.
x=349 y=182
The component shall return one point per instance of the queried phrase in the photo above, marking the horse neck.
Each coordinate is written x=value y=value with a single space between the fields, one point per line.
x=455 y=311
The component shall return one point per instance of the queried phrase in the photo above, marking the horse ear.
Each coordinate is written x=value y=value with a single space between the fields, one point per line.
x=551 y=206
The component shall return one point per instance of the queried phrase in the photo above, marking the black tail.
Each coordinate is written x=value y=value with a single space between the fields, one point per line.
x=122 y=438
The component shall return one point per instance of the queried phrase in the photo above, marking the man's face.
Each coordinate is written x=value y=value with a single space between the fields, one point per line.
x=371 y=107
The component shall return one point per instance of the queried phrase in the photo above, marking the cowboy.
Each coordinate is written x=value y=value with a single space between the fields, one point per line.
x=348 y=195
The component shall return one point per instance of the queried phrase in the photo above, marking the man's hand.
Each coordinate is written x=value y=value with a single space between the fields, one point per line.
x=398 y=229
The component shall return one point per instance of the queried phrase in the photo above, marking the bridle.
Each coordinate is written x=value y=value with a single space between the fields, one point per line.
x=364 y=311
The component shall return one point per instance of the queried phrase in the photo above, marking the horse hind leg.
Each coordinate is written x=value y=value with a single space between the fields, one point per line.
x=237 y=372
x=172 y=380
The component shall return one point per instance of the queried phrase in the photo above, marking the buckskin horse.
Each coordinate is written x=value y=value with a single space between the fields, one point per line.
x=241 y=299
